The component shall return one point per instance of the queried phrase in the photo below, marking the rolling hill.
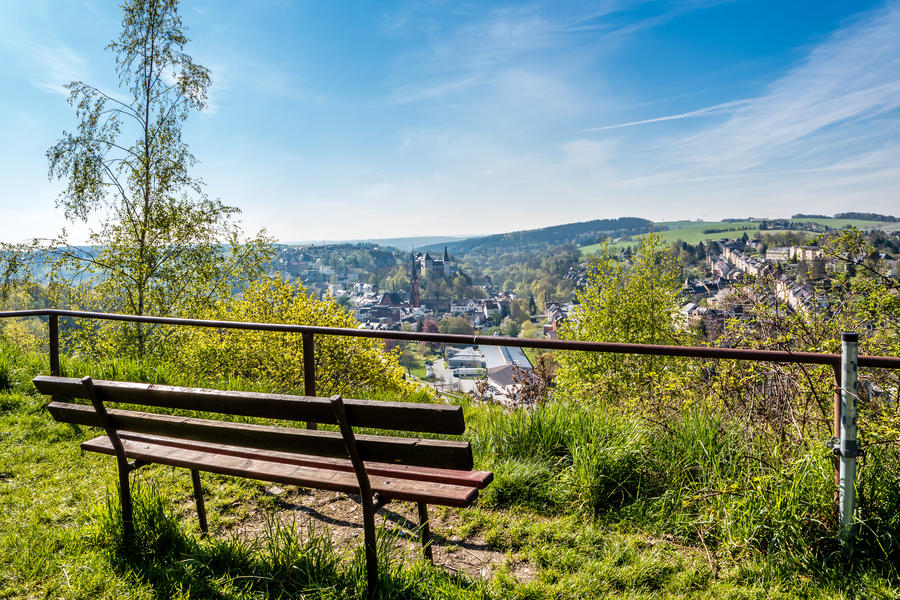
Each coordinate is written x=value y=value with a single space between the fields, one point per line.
x=579 y=234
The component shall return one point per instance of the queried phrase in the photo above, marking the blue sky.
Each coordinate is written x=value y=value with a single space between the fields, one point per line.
x=341 y=120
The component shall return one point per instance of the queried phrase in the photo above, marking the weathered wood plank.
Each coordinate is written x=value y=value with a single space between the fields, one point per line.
x=399 y=416
x=479 y=479
x=394 y=488
x=410 y=451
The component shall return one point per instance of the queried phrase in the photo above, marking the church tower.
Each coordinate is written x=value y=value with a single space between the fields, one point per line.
x=414 y=298
x=446 y=263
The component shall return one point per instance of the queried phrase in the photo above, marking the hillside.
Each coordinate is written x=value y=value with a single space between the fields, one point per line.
x=401 y=243
x=694 y=232
x=589 y=234
x=585 y=232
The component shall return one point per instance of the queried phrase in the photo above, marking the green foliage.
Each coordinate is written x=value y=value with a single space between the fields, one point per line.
x=458 y=325
x=24 y=332
x=157 y=244
x=522 y=483
x=540 y=239
x=697 y=478
x=607 y=468
x=796 y=400
x=594 y=501
x=344 y=365
x=509 y=327
x=559 y=458
x=633 y=303
x=6 y=378
x=536 y=275
x=530 y=330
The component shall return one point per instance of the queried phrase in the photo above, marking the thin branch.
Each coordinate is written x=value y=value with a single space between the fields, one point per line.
x=127 y=109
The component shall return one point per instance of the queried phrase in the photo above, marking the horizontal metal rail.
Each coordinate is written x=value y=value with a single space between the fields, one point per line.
x=776 y=356
x=308 y=333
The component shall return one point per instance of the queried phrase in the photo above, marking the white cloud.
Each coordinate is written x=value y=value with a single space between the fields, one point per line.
x=717 y=109
x=843 y=84
x=407 y=93
x=475 y=48
x=29 y=42
x=51 y=63
x=822 y=136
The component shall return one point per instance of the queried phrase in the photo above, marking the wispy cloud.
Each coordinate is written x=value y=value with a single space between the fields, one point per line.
x=408 y=93
x=839 y=90
x=717 y=109
x=52 y=63
x=476 y=48
x=32 y=45
x=824 y=134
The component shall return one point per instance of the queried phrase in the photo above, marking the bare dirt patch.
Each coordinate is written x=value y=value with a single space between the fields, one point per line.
x=340 y=516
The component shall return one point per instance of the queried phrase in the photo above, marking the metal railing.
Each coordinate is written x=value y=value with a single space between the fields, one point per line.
x=844 y=397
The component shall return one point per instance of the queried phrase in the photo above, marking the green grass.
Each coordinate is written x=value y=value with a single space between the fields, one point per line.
x=692 y=232
x=586 y=503
x=415 y=365
x=858 y=223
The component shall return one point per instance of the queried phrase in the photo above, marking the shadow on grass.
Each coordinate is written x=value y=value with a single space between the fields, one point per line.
x=278 y=564
x=401 y=527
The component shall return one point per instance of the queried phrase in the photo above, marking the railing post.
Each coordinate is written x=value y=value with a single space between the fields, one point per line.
x=53 y=324
x=309 y=369
x=835 y=443
x=849 y=446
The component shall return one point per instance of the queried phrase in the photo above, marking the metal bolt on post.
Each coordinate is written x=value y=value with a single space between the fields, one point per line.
x=849 y=446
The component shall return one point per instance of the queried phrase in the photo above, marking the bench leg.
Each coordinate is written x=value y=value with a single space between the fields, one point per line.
x=368 y=507
x=365 y=491
x=198 y=496
x=121 y=459
x=425 y=530
x=125 y=500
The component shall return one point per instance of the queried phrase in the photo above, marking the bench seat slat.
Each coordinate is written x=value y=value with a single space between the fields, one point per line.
x=390 y=487
x=413 y=451
x=479 y=479
x=399 y=416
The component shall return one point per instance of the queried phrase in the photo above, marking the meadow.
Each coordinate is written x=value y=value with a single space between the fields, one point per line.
x=589 y=501
x=693 y=232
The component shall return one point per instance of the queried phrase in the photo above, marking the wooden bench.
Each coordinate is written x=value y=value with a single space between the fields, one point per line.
x=379 y=468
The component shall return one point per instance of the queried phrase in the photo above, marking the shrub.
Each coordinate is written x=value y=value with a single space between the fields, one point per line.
x=344 y=365
x=622 y=303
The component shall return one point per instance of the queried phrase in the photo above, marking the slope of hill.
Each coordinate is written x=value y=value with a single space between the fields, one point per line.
x=401 y=243
x=582 y=233
x=694 y=232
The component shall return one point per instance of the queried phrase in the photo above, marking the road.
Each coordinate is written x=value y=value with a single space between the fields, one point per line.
x=445 y=381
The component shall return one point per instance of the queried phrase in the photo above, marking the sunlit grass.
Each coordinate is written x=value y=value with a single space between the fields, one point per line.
x=586 y=503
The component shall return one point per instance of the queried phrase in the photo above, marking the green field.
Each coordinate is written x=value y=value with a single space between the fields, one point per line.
x=692 y=232
x=858 y=223
x=590 y=501
x=413 y=360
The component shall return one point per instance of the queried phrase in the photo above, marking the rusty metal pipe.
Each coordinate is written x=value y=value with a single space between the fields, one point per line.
x=777 y=356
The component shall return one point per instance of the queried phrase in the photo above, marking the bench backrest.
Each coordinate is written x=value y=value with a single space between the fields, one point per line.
x=395 y=416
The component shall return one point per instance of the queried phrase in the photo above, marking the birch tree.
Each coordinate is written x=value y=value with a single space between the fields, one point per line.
x=158 y=244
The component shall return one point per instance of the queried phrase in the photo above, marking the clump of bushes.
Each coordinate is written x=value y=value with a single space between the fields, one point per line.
x=697 y=476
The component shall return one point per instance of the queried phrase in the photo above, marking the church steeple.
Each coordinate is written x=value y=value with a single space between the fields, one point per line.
x=446 y=256
x=414 y=296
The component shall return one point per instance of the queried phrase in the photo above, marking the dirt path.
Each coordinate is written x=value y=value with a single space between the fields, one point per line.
x=341 y=517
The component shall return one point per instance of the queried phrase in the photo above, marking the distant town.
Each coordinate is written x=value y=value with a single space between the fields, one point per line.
x=433 y=291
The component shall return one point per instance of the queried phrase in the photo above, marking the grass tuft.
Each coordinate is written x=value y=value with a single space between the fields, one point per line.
x=587 y=502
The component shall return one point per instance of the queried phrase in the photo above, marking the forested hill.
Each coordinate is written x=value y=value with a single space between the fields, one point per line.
x=587 y=232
